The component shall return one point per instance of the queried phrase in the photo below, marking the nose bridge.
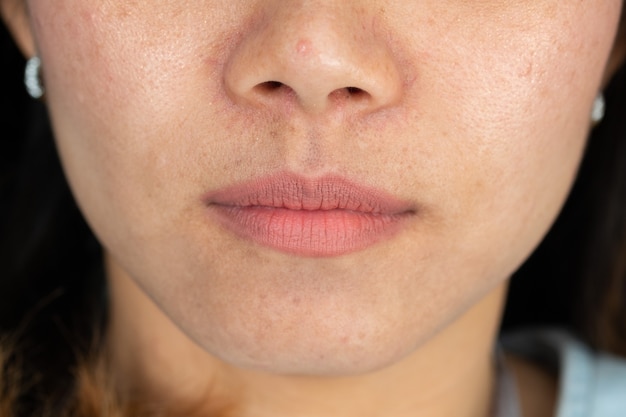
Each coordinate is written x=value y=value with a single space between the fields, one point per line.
x=317 y=53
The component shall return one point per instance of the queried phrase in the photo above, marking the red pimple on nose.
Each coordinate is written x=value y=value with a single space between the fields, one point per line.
x=304 y=47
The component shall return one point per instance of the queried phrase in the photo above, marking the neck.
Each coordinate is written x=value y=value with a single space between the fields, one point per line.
x=451 y=375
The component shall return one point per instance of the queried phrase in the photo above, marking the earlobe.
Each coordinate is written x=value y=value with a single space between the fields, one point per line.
x=15 y=16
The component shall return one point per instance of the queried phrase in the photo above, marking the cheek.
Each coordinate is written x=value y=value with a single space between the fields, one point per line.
x=123 y=93
x=508 y=105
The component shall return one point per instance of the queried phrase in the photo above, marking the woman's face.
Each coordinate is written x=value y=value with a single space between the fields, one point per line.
x=320 y=186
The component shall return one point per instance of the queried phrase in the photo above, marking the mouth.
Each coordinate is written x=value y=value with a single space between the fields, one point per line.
x=323 y=217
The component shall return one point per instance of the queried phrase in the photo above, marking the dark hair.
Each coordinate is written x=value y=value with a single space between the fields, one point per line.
x=52 y=289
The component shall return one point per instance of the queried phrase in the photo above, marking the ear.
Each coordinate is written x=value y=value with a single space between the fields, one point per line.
x=15 y=16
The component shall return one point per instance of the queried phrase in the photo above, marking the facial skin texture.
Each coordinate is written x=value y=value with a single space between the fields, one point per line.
x=475 y=112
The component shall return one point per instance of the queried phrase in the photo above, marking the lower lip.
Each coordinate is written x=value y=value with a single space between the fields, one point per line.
x=315 y=233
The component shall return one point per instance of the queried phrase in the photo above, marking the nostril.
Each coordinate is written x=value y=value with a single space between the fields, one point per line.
x=339 y=96
x=270 y=85
x=345 y=94
x=273 y=89
x=355 y=91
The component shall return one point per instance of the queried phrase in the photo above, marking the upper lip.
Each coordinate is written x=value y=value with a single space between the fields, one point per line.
x=295 y=192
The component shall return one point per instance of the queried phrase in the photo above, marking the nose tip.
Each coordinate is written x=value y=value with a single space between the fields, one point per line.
x=316 y=61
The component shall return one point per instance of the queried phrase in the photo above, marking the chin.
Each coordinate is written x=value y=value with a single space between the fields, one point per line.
x=329 y=360
x=329 y=346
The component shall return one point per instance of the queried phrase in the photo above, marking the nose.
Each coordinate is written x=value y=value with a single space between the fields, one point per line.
x=318 y=55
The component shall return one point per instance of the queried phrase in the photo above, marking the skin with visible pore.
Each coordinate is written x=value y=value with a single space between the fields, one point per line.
x=473 y=114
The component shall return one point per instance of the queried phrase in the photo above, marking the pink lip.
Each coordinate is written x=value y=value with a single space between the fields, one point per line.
x=327 y=216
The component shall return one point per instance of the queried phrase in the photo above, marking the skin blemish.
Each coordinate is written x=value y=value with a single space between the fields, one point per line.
x=304 y=47
x=528 y=71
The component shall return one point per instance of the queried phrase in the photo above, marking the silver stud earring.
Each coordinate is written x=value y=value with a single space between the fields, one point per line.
x=598 y=110
x=32 y=78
